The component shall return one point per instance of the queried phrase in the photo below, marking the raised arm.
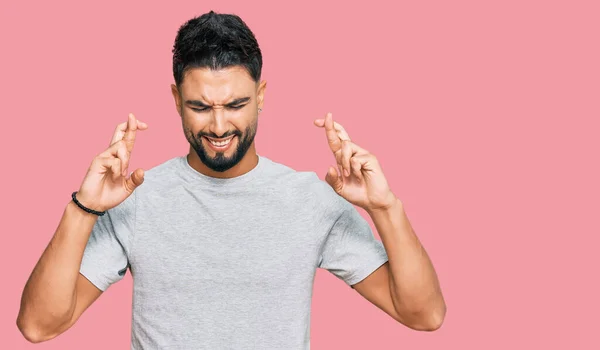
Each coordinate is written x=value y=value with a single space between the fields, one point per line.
x=56 y=294
x=406 y=287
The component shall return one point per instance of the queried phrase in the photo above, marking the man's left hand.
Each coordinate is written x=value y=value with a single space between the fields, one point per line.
x=358 y=177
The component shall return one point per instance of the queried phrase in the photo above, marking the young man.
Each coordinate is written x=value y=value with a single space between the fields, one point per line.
x=223 y=244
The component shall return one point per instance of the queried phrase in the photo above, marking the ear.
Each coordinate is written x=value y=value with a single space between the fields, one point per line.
x=260 y=93
x=177 y=98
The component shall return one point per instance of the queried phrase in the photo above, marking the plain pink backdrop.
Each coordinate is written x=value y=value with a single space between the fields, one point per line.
x=484 y=115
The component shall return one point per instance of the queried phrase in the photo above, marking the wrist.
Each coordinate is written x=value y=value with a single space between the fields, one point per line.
x=389 y=204
x=75 y=211
x=92 y=209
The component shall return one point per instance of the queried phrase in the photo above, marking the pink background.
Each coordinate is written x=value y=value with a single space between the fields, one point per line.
x=484 y=116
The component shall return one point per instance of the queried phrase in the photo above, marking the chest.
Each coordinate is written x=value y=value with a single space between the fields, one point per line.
x=217 y=242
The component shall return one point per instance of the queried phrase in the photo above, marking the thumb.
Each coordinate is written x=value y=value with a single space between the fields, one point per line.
x=334 y=180
x=136 y=179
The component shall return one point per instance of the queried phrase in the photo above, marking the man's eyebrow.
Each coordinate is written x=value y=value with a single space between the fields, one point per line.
x=195 y=103
x=237 y=101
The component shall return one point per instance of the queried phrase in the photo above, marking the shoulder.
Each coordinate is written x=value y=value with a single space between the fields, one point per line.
x=160 y=177
x=303 y=185
x=162 y=170
x=285 y=176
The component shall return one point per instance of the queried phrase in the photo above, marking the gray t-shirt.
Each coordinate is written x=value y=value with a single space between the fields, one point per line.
x=228 y=263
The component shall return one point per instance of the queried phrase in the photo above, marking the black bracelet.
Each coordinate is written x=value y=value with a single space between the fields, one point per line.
x=91 y=211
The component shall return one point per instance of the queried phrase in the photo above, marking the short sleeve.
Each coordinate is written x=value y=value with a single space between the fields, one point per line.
x=351 y=252
x=105 y=259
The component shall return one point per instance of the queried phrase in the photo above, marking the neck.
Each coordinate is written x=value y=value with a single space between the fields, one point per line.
x=247 y=163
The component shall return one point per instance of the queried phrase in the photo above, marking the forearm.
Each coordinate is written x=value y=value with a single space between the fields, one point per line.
x=49 y=297
x=414 y=286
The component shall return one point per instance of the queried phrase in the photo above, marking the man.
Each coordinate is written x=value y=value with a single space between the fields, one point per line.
x=223 y=244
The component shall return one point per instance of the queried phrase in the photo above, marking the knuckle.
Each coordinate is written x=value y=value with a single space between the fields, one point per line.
x=128 y=186
x=97 y=159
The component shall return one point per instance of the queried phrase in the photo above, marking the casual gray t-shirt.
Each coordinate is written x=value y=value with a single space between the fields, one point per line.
x=228 y=263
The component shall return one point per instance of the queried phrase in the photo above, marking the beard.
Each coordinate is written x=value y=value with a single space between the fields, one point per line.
x=220 y=162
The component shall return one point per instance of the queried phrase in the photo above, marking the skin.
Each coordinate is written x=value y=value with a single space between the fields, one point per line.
x=406 y=287
x=56 y=294
x=219 y=115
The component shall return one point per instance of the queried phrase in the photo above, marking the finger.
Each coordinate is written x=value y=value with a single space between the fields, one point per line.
x=341 y=132
x=115 y=168
x=117 y=150
x=108 y=164
x=130 y=132
x=356 y=149
x=119 y=133
x=332 y=137
x=346 y=154
x=135 y=179
x=334 y=180
x=122 y=128
x=123 y=156
x=356 y=168
x=112 y=149
x=367 y=162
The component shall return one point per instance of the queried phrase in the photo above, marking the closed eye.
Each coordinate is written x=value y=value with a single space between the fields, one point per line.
x=207 y=108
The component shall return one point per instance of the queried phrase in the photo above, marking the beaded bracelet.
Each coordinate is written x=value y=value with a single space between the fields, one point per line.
x=91 y=211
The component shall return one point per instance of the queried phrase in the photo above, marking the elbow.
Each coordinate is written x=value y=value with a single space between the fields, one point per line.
x=426 y=321
x=433 y=321
x=32 y=332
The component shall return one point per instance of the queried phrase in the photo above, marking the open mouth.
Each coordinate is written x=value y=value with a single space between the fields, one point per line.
x=220 y=144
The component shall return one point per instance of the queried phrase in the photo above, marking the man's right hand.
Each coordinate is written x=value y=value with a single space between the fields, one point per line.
x=106 y=184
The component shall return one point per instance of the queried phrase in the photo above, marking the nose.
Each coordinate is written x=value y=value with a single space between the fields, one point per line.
x=218 y=125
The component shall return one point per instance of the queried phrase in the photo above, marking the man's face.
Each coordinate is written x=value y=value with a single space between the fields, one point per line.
x=219 y=112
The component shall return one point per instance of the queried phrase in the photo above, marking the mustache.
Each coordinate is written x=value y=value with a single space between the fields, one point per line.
x=215 y=136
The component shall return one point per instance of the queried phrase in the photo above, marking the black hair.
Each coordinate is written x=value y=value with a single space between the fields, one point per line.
x=216 y=41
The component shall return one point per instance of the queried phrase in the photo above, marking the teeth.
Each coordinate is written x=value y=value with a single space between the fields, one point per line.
x=220 y=143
